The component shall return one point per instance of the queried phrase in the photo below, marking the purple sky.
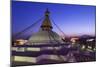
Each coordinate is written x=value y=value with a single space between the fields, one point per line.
x=72 y=19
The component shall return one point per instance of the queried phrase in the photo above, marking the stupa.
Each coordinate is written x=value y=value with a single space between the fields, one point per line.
x=45 y=35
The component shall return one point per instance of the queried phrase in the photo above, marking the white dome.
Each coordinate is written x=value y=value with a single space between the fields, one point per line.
x=45 y=37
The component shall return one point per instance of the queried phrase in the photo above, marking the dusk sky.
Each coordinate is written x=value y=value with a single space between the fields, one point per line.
x=72 y=19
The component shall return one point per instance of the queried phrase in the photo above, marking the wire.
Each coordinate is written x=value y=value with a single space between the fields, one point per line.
x=21 y=32
x=58 y=27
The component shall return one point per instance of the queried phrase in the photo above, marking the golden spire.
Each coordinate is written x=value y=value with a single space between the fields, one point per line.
x=46 y=25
